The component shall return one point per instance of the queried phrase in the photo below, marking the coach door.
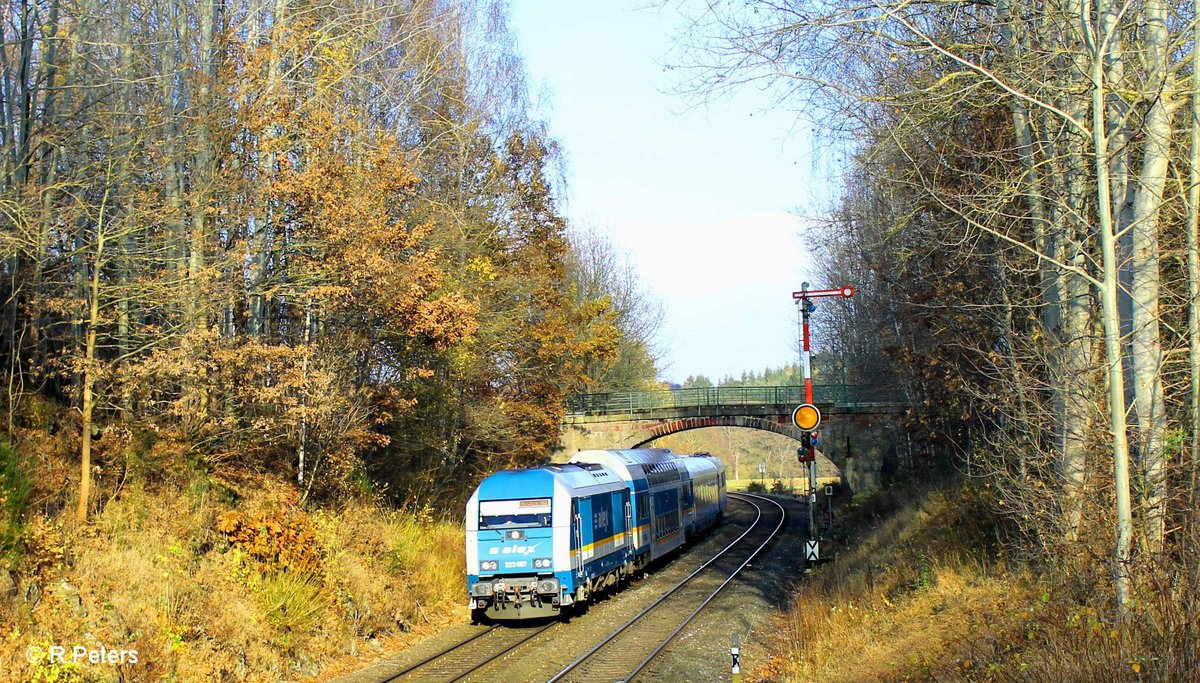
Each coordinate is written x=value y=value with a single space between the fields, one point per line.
x=653 y=520
x=587 y=546
x=629 y=521
x=576 y=535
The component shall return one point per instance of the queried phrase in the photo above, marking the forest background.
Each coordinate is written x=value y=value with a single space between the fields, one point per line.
x=1019 y=218
x=280 y=281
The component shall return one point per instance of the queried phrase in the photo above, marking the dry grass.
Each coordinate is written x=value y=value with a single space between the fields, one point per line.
x=393 y=570
x=1052 y=638
x=152 y=573
x=799 y=485
x=919 y=594
x=894 y=603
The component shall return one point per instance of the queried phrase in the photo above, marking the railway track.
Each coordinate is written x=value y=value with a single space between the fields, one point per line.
x=625 y=651
x=462 y=659
x=622 y=654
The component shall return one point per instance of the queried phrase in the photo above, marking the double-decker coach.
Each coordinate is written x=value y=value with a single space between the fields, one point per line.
x=703 y=494
x=656 y=479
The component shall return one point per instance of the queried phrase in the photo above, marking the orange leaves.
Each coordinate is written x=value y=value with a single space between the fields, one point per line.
x=355 y=251
x=534 y=336
x=329 y=295
x=447 y=320
x=281 y=538
x=228 y=522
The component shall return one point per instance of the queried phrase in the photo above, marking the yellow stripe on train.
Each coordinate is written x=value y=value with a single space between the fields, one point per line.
x=594 y=544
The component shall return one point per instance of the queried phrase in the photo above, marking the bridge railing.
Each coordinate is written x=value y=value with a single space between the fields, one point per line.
x=628 y=402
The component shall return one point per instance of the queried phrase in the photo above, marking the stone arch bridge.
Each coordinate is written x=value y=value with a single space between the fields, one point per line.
x=860 y=426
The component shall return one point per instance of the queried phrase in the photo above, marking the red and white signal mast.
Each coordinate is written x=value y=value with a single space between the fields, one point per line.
x=806 y=416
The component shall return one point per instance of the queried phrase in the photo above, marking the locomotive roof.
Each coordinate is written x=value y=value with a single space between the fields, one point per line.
x=540 y=481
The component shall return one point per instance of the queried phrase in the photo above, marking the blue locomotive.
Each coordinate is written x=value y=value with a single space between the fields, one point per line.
x=541 y=539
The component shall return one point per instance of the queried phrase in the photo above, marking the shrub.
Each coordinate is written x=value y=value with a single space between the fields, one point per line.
x=139 y=457
x=756 y=487
x=14 y=494
x=282 y=538
x=43 y=544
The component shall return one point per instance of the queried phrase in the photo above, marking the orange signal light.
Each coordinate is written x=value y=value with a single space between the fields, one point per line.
x=806 y=417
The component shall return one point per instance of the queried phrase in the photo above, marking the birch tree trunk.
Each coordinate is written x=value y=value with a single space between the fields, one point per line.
x=202 y=171
x=97 y=257
x=127 y=78
x=1073 y=363
x=1109 y=315
x=261 y=221
x=24 y=95
x=1146 y=347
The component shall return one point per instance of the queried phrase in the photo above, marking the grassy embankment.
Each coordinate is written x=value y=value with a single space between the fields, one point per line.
x=921 y=590
x=790 y=485
x=210 y=578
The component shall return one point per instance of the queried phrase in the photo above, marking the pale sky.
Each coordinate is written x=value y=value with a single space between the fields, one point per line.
x=700 y=197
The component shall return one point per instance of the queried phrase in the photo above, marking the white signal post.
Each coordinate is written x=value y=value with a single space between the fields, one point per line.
x=803 y=300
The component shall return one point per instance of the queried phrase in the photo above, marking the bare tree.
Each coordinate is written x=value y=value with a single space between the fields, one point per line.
x=1051 y=201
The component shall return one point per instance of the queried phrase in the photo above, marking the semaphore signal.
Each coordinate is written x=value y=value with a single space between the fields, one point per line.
x=806 y=417
x=804 y=302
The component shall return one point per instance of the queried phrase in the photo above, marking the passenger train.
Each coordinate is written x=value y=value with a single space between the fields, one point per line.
x=542 y=539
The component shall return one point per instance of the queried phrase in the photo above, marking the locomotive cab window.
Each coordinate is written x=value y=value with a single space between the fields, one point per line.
x=510 y=514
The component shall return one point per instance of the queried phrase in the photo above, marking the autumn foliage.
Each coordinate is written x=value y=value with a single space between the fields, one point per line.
x=281 y=539
x=279 y=282
x=310 y=241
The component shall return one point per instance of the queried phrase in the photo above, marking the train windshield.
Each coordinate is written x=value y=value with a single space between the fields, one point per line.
x=508 y=514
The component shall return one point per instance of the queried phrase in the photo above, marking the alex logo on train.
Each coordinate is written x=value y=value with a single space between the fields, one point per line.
x=514 y=549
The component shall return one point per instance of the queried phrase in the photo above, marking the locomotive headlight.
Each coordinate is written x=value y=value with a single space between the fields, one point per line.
x=481 y=589
x=489 y=565
x=548 y=586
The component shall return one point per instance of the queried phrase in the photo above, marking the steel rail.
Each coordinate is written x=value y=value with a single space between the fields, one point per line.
x=412 y=668
x=667 y=641
x=662 y=645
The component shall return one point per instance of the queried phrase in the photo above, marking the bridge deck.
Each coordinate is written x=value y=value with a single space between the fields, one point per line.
x=831 y=397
